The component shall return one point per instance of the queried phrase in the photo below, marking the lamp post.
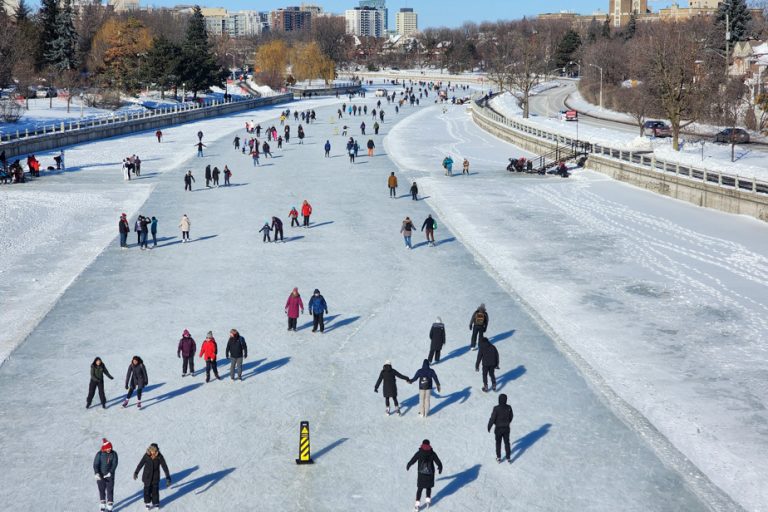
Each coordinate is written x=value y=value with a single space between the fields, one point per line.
x=727 y=35
x=233 y=64
x=601 y=84
x=81 y=104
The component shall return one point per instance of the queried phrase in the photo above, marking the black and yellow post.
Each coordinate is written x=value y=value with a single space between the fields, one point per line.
x=304 y=457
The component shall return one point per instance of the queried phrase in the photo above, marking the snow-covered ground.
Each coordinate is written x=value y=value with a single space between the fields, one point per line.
x=233 y=445
x=665 y=300
x=716 y=157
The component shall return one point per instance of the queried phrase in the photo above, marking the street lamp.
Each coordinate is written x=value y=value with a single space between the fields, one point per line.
x=601 y=84
x=233 y=64
x=81 y=104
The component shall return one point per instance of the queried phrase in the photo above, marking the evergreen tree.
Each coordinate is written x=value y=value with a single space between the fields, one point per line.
x=566 y=48
x=606 y=30
x=60 y=52
x=739 y=18
x=48 y=17
x=163 y=64
x=199 y=67
x=593 y=31
x=22 y=12
x=629 y=32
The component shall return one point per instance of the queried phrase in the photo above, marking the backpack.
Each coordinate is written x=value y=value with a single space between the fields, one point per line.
x=479 y=318
x=434 y=224
x=425 y=468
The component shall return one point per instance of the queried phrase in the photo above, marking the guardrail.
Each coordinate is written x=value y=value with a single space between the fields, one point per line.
x=639 y=158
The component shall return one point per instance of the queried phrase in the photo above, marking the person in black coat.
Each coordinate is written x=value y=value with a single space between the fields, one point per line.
x=501 y=418
x=104 y=467
x=478 y=324
x=427 y=460
x=436 y=340
x=388 y=376
x=188 y=179
x=236 y=351
x=489 y=356
x=98 y=371
x=208 y=176
x=135 y=379
x=152 y=462
x=277 y=226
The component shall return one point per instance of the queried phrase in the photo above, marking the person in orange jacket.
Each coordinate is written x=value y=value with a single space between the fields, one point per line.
x=306 y=211
x=208 y=352
x=392 y=184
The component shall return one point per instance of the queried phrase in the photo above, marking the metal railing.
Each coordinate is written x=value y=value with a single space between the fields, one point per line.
x=638 y=158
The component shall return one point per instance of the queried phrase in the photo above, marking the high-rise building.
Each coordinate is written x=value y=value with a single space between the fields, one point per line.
x=124 y=5
x=621 y=10
x=290 y=19
x=365 y=22
x=407 y=22
x=380 y=5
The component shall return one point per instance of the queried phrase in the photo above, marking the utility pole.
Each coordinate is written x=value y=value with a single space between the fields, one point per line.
x=727 y=39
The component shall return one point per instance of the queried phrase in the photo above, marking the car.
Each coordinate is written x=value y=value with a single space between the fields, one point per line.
x=569 y=115
x=657 y=128
x=733 y=135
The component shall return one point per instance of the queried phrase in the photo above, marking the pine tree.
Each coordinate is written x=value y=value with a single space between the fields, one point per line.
x=606 y=30
x=163 y=64
x=61 y=50
x=629 y=32
x=48 y=18
x=566 y=48
x=199 y=67
x=593 y=30
x=739 y=18
x=22 y=12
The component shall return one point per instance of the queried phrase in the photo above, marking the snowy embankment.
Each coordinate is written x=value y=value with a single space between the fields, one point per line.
x=667 y=302
x=716 y=157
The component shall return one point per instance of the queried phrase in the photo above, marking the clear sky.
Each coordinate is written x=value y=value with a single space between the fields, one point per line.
x=432 y=13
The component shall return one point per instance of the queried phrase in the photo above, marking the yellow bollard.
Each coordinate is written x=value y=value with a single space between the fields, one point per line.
x=304 y=457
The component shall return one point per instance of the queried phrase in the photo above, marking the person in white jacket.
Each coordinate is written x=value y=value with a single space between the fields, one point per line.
x=185 y=225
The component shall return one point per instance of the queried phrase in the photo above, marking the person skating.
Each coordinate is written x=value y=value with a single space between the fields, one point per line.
x=144 y=222
x=392 y=184
x=465 y=167
x=277 y=226
x=186 y=351
x=255 y=155
x=137 y=229
x=327 y=149
x=407 y=229
x=104 y=467
x=236 y=351
x=184 y=225
x=388 y=376
x=301 y=134
x=123 y=228
x=200 y=147
x=135 y=379
x=215 y=174
x=376 y=128
x=425 y=376
x=265 y=150
x=227 y=175
x=414 y=192
x=159 y=135
x=478 y=324
x=151 y=463
x=266 y=229
x=208 y=176
x=371 y=146
x=306 y=211
x=98 y=371
x=429 y=225
x=488 y=355
x=501 y=418
x=153 y=230
x=436 y=340
x=317 y=307
x=426 y=460
x=208 y=351
x=199 y=136
x=294 y=216
x=188 y=180
x=293 y=306
x=236 y=143
x=362 y=127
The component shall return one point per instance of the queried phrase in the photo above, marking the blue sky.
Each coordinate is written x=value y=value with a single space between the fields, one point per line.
x=432 y=13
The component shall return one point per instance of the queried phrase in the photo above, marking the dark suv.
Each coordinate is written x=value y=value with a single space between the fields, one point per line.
x=729 y=135
x=657 y=128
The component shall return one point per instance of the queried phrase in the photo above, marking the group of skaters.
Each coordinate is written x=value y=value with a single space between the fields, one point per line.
x=212 y=176
x=428 y=227
x=144 y=227
x=276 y=224
x=448 y=166
x=14 y=172
x=131 y=165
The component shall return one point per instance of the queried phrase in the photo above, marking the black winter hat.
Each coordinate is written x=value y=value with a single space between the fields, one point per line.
x=316 y=290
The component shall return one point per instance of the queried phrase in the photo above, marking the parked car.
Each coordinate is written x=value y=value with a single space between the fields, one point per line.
x=569 y=115
x=657 y=128
x=730 y=135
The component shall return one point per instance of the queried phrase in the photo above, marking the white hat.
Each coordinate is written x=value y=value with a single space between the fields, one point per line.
x=388 y=362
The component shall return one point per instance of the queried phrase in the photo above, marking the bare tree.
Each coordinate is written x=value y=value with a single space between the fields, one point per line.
x=526 y=62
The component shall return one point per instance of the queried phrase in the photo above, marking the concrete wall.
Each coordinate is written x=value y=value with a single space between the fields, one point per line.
x=700 y=193
x=300 y=93
x=115 y=127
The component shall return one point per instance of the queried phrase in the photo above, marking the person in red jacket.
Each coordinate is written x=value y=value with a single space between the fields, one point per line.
x=294 y=215
x=292 y=307
x=208 y=352
x=306 y=211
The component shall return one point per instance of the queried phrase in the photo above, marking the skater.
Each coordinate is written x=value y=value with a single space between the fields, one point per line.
x=186 y=351
x=427 y=459
x=351 y=151
x=98 y=371
x=137 y=229
x=199 y=136
x=392 y=184
x=159 y=135
x=489 y=356
x=208 y=176
x=406 y=230
x=255 y=155
x=501 y=418
x=376 y=128
x=306 y=211
x=185 y=224
x=294 y=216
x=414 y=192
x=227 y=175
x=478 y=324
x=292 y=307
x=145 y=222
x=327 y=149
x=301 y=134
x=265 y=150
x=388 y=376
x=425 y=376
x=465 y=167
x=371 y=146
x=448 y=165
x=200 y=147
x=153 y=230
x=266 y=229
x=436 y=340
x=362 y=127
x=152 y=462
x=123 y=228
x=236 y=351
x=277 y=226
x=59 y=159
x=236 y=142
x=135 y=379
x=188 y=180
x=430 y=225
x=215 y=175
x=317 y=308
x=208 y=351
x=104 y=467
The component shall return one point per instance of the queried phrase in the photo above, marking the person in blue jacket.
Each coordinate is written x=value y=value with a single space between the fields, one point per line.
x=327 y=149
x=104 y=466
x=425 y=376
x=317 y=308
